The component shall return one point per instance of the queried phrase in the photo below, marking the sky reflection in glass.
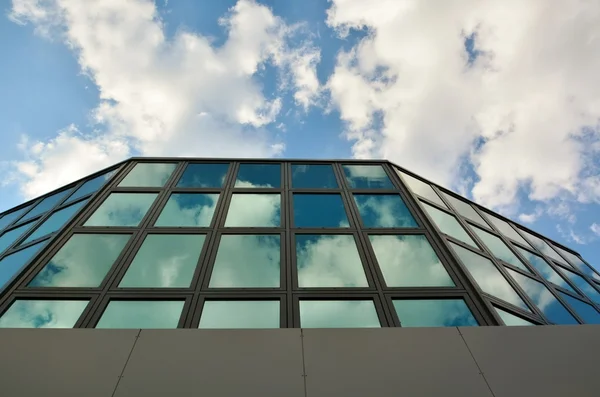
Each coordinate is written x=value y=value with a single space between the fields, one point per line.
x=11 y=217
x=367 y=177
x=465 y=209
x=448 y=224
x=91 y=186
x=582 y=284
x=204 y=176
x=25 y=313
x=46 y=204
x=421 y=188
x=511 y=320
x=583 y=310
x=383 y=211
x=338 y=314
x=12 y=264
x=141 y=314
x=259 y=175
x=148 y=175
x=545 y=269
x=434 y=313
x=55 y=221
x=240 y=314
x=580 y=265
x=254 y=210
x=122 y=209
x=188 y=210
x=319 y=210
x=8 y=238
x=543 y=247
x=313 y=176
x=505 y=228
x=499 y=249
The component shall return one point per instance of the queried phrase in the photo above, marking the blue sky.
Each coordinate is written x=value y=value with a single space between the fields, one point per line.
x=498 y=102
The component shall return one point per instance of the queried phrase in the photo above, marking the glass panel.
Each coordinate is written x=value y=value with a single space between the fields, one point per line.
x=247 y=261
x=488 y=277
x=8 y=238
x=434 y=313
x=148 y=175
x=319 y=210
x=328 y=260
x=204 y=175
x=11 y=217
x=409 y=261
x=43 y=313
x=543 y=247
x=55 y=221
x=122 y=209
x=259 y=175
x=46 y=204
x=421 y=188
x=164 y=261
x=579 y=264
x=91 y=186
x=465 y=210
x=545 y=269
x=240 y=314
x=582 y=284
x=543 y=299
x=583 y=310
x=510 y=319
x=188 y=210
x=384 y=210
x=314 y=176
x=254 y=210
x=141 y=314
x=506 y=229
x=83 y=261
x=448 y=224
x=367 y=177
x=499 y=249
x=338 y=314
x=12 y=264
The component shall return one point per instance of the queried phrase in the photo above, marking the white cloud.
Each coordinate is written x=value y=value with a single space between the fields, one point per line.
x=595 y=228
x=531 y=217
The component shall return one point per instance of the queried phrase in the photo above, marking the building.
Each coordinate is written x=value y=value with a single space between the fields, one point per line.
x=153 y=244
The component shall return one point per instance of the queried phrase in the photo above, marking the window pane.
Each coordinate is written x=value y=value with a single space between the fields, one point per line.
x=543 y=247
x=315 y=176
x=499 y=249
x=421 y=188
x=585 y=311
x=148 y=175
x=328 y=260
x=12 y=264
x=254 y=210
x=82 y=262
x=8 y=238
x=11 y=217
x=46 y=204
x=55 y=221
x=409 y=261
x=384 y=210
x=545 y=269
x=434 y=313
x=188 y=210
x=579 y=264
x=448 y=224
x=259 y=175
x=510 y=319
x=465 y=210
x=122 y=209
x=582 y=284
x=338 y=314
x=367 y=177
x=141 y=314
x=164 y=261
x=204 y=175
x=247 y=261
x=543 y=299
x=43 y=313
x=506 y=229
x=319 y=210
x=240 y=314
x=489 y=279
x=91 y=186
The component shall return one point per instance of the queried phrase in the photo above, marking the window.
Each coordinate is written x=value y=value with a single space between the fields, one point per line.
x=122 y=209
x=148 y=175
x=83 y=261
x=45 y=205
x=409 y=261
x=90 y=186
x=329 y=260
x=8 y=238
x=510 y=319
x=448 y=224
x=319 y=210
x=499 y=249
x=582 y=284
x=543 y=299
x=383 y=211
x=465 y=209
x=55 y=221
x=259 y=175
x=247 y=261
x=338 y=314
x=240 y=314
x=488 y=277
x=164 y=261
x=505 y=228
x=46 y=313
x=579 y=264
x=545 y=269
x=204 y=175
x=254 y=210
x=543 y=247
x=188 y=210
x=421 y=188
x=313 y=176
x=583 y=310
x=9 y=218
x=141 y=314
x=434 y=313
x=367 y=177
x=12 y=264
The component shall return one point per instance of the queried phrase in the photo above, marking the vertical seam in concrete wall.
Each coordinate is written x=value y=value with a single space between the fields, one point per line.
x=303 y=363
x=475 y=361
x=126 y=362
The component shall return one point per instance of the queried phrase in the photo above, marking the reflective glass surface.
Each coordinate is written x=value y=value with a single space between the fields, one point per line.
x=11 y=217
x=247 y=261
x=338 y=314
x=329 y=260
x=43 y=313
x=141 y=314
x=314 y=176
x=367 y=177
x=8 y=238
x=409 y=261
x=240 y=314
x=543 y=247
x=583 y=310
x=319 y=210
x=499 y=249
x=506 y=229
x=488 y=277
x=11 y=265
x=581 y=266
x=82 y=262
x=148 y=175
x=448 y=224
x=259 y=175
x=204 y=175
x=383 y=210
x=91 y=186
x=434 y=313
x=545 y=269
x=122 y=209
x=421 y=188
x=188 y=210
x=164 y=261
x=55 y=221
x=543 y=299
x=510 y=319
x=46 y=204
x=465 y=209
x=582 y=284
x=254 y=210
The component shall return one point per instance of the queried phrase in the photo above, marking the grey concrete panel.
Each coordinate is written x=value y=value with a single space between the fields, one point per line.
x=538 y=361
x=63 y=362
x=390 y=362
x=216 y=363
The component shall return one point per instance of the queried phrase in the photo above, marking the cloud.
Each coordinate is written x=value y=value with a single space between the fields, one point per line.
x=595 y=228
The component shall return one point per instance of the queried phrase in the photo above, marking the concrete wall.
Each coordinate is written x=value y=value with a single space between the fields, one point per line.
x=479 y=362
